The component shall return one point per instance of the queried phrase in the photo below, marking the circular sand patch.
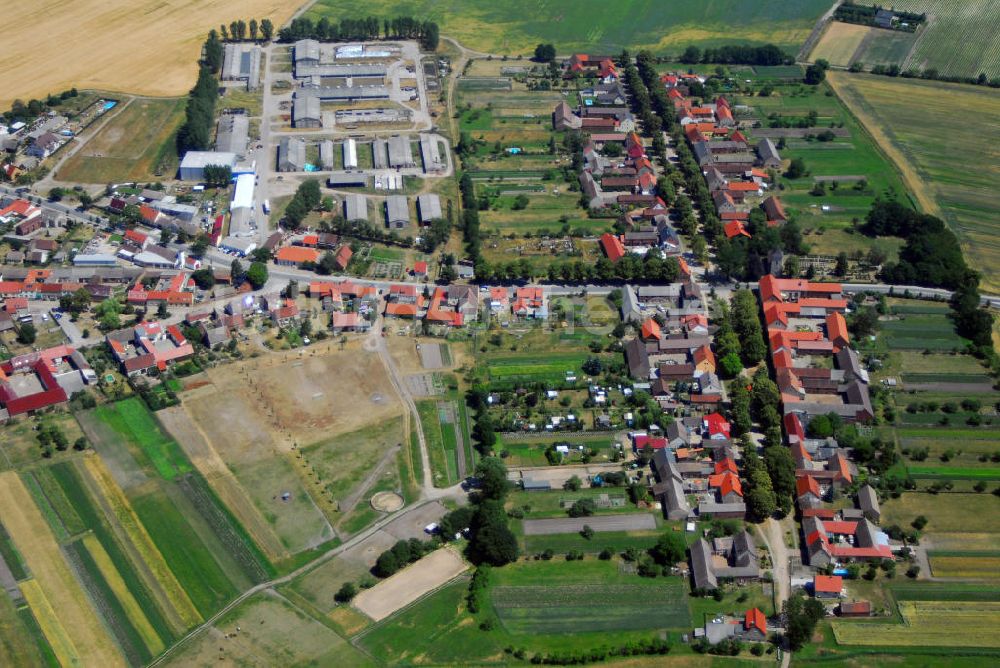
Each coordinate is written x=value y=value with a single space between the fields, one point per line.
x=387 y=502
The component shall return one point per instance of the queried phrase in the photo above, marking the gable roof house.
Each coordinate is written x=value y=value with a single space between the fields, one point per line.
x=767 y=154
x=669 y=489
x=563 y=118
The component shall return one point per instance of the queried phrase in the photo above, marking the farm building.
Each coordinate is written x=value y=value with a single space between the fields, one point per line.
x=241 y=62
x=356 y=207
x=293 y=256
x=767 y=154
x=291 y=155
x=400 y=152
x=306 y=52
x=343 y=257
x=233 y=133
x=326 y=154
x=194 y=163
x=347 y=180
x=325 y=70
x=379 y=152
x=397 y=211
x=40 y=379
x=306 y=111
x=350 y=93
x=430 y=208
x=430 y=153
x=350 y=154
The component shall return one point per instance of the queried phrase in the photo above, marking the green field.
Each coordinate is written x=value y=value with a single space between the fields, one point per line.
x=527 y=368
x=556 y=598
x=960 y=39
x=136 y=145
x=929 y=624
x=906 y=117
x=946 y=513
x=134 y=423
x=441 y=444
x=921 y=332
x=829 y=230
x=885 y=47
x=515 y=26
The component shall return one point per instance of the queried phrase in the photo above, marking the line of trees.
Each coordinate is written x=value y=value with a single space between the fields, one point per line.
x=490 y=539
x=930 y=73
x=241 y=31
x=21 y=111
x=199 y=116
x=368 y=28
x=218 y=176
x=307 y=197
x=737 y=54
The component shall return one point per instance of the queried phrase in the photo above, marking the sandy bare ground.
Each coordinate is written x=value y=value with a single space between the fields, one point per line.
x=410 y=584
x=78 y=634
x=148 y=47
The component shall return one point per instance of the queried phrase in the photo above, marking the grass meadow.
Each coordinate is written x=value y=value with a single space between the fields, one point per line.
x=516 y=26
x=948 y=172
x=136 y=145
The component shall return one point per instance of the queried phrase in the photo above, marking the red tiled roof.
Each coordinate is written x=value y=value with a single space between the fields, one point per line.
x=612 y=246
x=420 y=267
x=642 y=440
x=807 y=485
x=310 y=240
x=726 y=464
x=755 y=619
x=735 y=228
x=828 y=584
x=704 y=354
x=726 y=482
x=296 y=254
x=651 y=330
x=717 y=424
x=846 y=528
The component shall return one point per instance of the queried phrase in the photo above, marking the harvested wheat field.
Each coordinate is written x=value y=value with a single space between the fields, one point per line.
x=148 y=47
x=840 y=42
x=406 y=586
x=66 y=617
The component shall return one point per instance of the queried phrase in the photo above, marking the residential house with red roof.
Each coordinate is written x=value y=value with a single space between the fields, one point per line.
x=828 y=586
x=148 y=346
x=612 y=246
x=41 y=379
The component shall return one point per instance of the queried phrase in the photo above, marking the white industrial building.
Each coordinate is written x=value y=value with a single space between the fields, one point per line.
x=194 y=163
x=350 y=154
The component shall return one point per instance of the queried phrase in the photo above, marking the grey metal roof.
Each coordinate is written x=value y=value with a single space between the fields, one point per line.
x=701 y=565
x=306 y=50
x=342 y=71
x=233 y=133
x=397 y=209
x=305 y=107
x=356 y=207
x=430 y=207
x=400 y=151
x=291 y=154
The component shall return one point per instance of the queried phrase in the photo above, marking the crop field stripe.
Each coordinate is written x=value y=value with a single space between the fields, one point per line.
x=54 y=494
x=185 y=615
x=134 y=612
x=44 y=507
x=52 y=629
x=934 y=591
x=11 y=556
x=109 y=607
x=38 y=637
x=930 y=624
x=71 y=483
x=255 y=565
x=186 y=554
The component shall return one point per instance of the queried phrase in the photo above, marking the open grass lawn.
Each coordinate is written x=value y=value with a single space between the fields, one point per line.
x=946 y=513
x=137 y=145
x=617 y=541
x=906 y=116
x=516 y=26
x=343 y=461
x=914 y=362
x=552 y=367
x=273 y=631
x=960 y=38
x=550 y=504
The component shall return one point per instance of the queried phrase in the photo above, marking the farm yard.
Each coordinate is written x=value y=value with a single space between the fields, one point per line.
x=146 y=48
x=137 y=144
x=906 y=118
x=515 y=26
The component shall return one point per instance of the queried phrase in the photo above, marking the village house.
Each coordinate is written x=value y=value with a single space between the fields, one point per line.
x=148 y=347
